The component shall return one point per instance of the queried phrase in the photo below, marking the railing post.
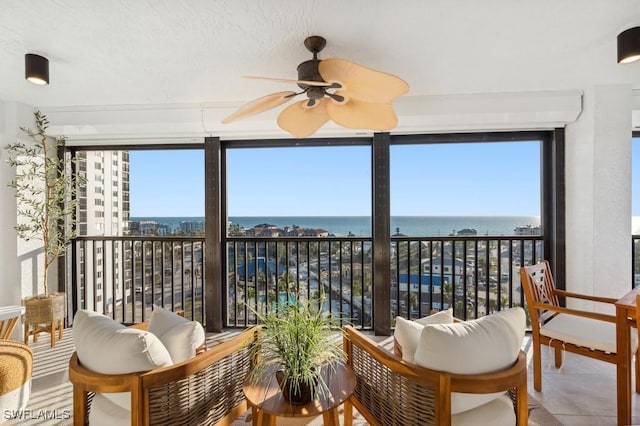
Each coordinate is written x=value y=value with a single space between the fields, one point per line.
x=381 y=226
x=69 y=259
x=214 y=282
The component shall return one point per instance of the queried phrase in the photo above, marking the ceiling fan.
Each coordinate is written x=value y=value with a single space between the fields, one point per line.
x=351 y=95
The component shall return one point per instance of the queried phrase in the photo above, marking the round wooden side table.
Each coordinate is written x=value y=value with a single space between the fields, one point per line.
x=267 y=402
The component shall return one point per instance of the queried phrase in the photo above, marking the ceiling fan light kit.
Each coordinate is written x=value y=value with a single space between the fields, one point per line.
x=349 y=94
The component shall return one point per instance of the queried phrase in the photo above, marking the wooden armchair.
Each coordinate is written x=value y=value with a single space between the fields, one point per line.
x=590 y=334
x=390 y=391
x=203 y=390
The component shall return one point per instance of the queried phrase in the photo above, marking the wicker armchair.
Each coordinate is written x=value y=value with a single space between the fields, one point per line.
x=390 y=391
x=204 y=390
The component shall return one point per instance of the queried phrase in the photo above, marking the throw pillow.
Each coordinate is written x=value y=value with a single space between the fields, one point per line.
x=485 y=345
x=180 y=336
x=407 y=333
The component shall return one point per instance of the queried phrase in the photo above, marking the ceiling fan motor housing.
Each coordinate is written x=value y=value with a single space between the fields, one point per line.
x=308 y=70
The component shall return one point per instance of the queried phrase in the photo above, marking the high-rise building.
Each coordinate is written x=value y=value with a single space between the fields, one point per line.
x=103 y=210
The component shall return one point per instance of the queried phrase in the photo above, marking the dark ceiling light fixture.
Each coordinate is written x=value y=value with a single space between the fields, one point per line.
x=36 y=69
x=629 y=45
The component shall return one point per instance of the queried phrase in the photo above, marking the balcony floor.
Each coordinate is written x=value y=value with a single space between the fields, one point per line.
x=582 y=392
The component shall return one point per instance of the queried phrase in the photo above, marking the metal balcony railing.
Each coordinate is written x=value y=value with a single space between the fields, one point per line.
x=635 y=256
x=473 y=275
x=124 y=276
x=265 y=271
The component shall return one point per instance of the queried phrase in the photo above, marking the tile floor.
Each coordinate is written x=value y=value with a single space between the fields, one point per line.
x=581 y=393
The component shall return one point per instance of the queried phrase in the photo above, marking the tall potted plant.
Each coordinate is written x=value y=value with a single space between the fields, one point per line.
x=46 y=205
x=298 y=340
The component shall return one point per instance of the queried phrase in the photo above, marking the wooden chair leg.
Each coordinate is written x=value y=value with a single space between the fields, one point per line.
x=558 y=356
x=522 y=405
x=60 y=329
x=80 y=415
x=26 y=333
x=537 y=367
x=53 y=332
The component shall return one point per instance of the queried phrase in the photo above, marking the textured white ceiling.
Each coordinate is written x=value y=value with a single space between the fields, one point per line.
x=152 y=52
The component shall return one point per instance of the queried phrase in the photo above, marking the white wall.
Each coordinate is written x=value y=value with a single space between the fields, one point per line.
x=18 y=259
x=598 y=188
x=9 y=287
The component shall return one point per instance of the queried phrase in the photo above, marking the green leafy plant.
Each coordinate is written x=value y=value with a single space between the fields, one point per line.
x=45 y=192
x=298 y=339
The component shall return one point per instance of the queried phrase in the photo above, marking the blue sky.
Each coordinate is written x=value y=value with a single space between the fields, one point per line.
x=488 y=179
x=166 y=183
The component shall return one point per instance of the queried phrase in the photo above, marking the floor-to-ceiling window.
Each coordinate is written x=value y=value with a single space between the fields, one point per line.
x=303 y=218
x=140 y=227
x=299 y=225
x=465 y=215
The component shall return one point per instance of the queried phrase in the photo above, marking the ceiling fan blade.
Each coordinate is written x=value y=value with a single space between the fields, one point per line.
x=259 y=105
x=357 y=114
x=302 y=121
x=361 y=82
x=286 y=80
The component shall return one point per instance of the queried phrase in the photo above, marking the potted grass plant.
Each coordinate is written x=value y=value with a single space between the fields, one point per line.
x=46 y=210
x=298 y=341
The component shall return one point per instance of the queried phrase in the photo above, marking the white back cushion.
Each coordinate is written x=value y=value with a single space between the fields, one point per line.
x=485 y=345
x=180 y=336
x=108 y=347
x=407 y=333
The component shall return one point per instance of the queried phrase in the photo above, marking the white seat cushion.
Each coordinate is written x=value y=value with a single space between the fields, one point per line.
x=484 y=345
x=180 y=336
x=498 y=412
x=586 y=332
x=407 y=333
x=106 y=413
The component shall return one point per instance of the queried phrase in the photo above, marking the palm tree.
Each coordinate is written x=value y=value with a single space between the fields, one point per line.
x=411 y=300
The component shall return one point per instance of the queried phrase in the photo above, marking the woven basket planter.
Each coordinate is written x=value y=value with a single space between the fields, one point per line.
x=44 y=309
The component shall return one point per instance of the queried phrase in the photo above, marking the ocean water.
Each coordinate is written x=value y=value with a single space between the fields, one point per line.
x=413 y=226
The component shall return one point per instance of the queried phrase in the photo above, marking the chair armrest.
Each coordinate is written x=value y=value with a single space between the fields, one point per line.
x=90 y=381
x=576 y=312
x=586 y=297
